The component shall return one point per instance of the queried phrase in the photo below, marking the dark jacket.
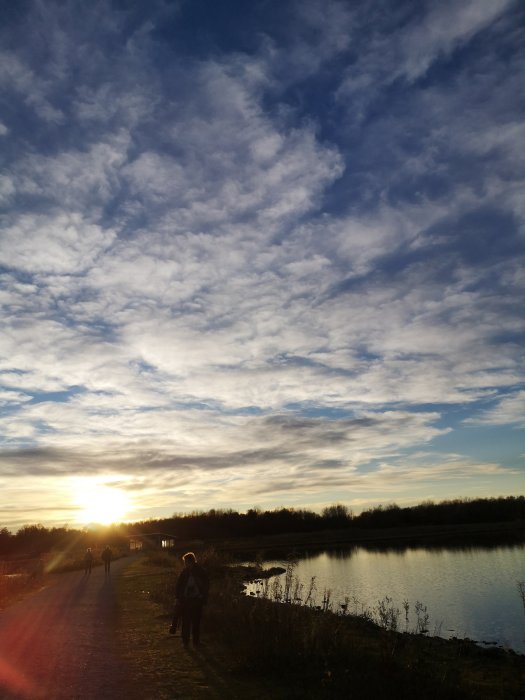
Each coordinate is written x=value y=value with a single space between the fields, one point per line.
x=193 y=584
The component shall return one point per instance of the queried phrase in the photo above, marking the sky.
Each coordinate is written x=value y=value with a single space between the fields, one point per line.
x=259 y=254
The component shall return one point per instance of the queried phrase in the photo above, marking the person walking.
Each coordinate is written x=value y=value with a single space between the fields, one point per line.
x=107 y=556
x=191 y=593
x=88 y=561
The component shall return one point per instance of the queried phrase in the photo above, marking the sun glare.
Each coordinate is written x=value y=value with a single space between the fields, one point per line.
x=100 y=503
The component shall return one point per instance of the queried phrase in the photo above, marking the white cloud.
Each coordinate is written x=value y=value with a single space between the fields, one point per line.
x=408 y=51
x=7 y=189
x=63 y=243
x=510 y=410
x=8 y=398
x=444 y=27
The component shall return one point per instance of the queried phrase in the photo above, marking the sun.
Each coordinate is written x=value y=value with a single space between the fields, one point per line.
x=100 y=503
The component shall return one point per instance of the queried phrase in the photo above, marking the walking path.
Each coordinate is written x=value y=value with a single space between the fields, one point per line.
x=74 y=641
x=58 y=644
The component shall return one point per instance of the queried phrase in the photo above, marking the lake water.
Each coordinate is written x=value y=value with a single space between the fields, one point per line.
x=468 y=591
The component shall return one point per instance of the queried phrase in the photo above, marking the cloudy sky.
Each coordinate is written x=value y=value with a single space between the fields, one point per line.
x=259 y=254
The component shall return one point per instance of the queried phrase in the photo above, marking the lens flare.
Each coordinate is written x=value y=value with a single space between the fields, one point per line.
x=100 y=503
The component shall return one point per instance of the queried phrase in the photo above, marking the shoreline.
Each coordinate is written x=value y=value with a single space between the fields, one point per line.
x=284 y=651
x=477 y=534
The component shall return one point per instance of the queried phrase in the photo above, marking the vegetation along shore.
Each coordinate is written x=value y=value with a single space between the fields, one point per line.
x=286 y=650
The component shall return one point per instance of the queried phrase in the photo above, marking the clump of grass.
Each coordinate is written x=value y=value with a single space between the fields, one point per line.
x=423 y=618
x=161 y=559
x=387 y=614
x=12 y=586
x=17 y=579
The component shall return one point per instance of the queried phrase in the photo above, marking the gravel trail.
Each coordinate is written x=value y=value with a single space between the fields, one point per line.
x=58 y=644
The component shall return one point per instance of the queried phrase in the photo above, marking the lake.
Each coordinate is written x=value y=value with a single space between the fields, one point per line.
x=468 y=591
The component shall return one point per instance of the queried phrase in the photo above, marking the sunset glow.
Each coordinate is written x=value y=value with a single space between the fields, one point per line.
x=100 y=504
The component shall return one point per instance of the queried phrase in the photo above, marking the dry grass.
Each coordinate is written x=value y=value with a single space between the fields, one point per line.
x=18 y=579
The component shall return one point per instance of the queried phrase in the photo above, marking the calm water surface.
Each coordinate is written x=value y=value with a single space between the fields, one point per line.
x=469 y=591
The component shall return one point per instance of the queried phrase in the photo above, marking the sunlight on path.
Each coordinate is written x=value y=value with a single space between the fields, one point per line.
x=58 y=644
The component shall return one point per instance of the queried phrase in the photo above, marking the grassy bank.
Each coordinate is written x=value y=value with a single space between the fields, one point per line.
x=280 y=650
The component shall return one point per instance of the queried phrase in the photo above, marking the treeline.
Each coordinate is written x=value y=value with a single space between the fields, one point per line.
x=32 y=540
x=219 y=524
x=455 y=512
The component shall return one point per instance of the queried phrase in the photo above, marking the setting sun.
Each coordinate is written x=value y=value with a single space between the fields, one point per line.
x=100 y=503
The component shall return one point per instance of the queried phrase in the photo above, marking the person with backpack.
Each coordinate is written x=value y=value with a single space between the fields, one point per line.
x=88 y=561
x=191 y=593
x=107 y=556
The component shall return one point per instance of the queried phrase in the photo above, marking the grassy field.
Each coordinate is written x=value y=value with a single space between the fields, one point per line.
x=260 y=649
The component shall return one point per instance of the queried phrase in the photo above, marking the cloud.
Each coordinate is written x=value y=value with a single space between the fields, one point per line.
x=509 y=410
x=299 y=259
x=405 y=44
x=114 y=436
x=445 y=27
x=64 y=243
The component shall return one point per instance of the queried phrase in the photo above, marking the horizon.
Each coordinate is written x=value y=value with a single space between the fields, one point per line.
x=92 y=526
x=255 y=256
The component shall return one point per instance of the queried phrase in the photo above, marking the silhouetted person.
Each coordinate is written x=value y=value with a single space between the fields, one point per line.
x=191 y=593
x=88 y=561
x=106 y=556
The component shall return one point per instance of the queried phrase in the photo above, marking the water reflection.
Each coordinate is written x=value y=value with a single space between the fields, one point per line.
x=345 y=551
x=469 y=591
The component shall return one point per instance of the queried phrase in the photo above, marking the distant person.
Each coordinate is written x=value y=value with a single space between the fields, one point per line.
x=88 y=561
x=107 y=556
x=191 y=593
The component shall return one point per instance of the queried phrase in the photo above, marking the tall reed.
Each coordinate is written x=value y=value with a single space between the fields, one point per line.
x=521 y=591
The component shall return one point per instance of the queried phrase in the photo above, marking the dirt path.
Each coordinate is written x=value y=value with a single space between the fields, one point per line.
x=58 y=644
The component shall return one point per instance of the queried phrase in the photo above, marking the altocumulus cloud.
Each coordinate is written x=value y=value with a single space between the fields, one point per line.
x=260 y=256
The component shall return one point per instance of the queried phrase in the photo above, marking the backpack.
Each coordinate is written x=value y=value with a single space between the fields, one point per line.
x=192 y=589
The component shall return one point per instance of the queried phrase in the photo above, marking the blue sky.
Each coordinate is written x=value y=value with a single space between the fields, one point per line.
x=260 y=254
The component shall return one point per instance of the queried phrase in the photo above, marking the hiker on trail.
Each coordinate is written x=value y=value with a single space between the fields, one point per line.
x=191 y=593
x=106 y=556
x=88 y=561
